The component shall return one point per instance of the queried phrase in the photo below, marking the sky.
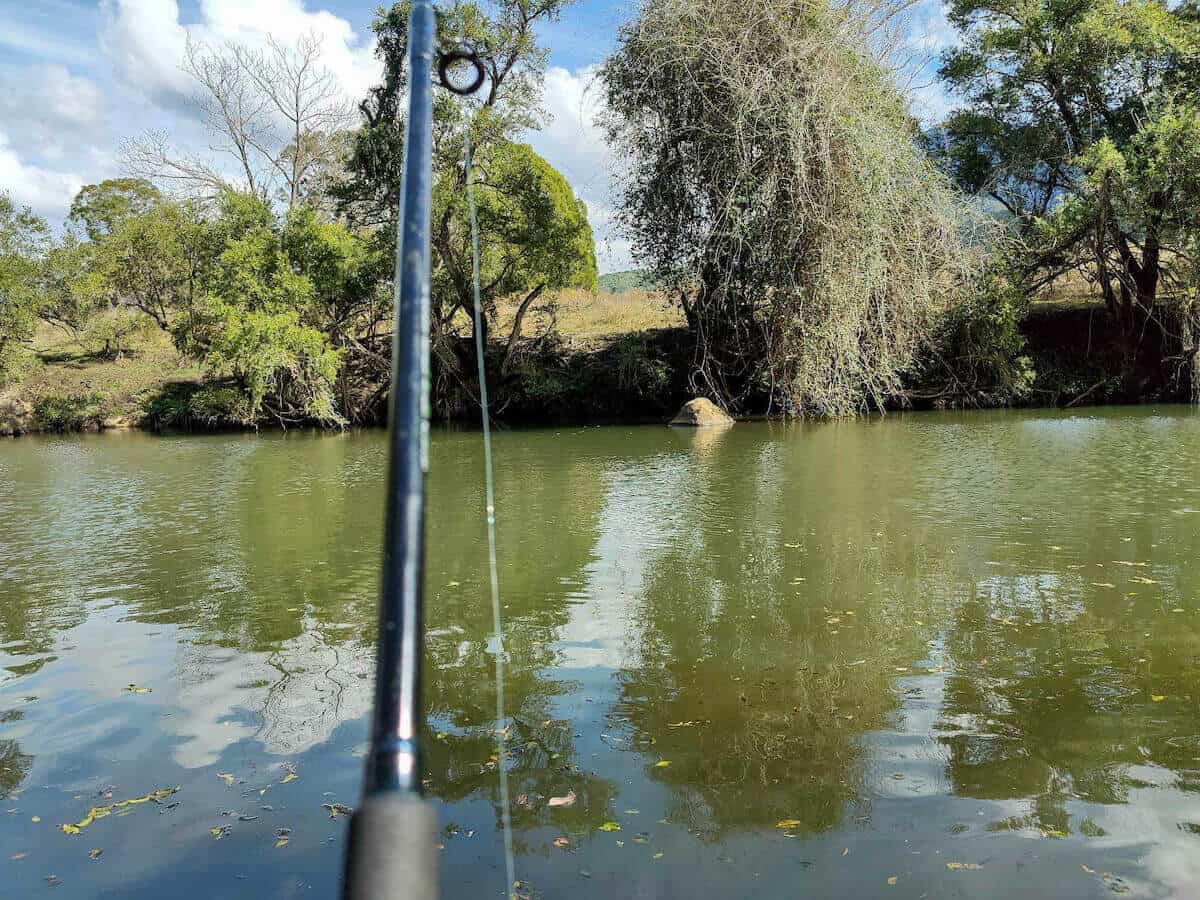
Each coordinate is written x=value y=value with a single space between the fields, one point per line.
x=79 y=76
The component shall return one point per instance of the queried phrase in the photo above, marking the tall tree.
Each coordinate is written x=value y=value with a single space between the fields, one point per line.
x=774 y=185
x=24 y=239
x=1081 y=120
x=534 y=234
x=274 y=113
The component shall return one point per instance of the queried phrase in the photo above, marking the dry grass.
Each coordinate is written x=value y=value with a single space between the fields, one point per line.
x=71 y=365
x=589 y=317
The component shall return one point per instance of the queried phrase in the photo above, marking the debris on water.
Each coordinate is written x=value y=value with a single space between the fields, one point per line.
x=53 y=881
x=892 y=880
x=19 y=856
x=337 y=809
x=220 y=831
x=632 y=812
x=290 y=776
x=567 y=800
x=227 y=778
x=134 y=689
x=662 y=764
x=788 y=823
x=247 y=818
x=1158 y=698
x=585 y=873
x=562 y=842
x=610 y=826
x=642 y=837
x=962 y=866
x=658 y=855
x=119 y=808
x=94 y=853
x=35 y=818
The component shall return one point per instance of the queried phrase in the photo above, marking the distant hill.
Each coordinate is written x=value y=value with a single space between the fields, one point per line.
x=621 y=282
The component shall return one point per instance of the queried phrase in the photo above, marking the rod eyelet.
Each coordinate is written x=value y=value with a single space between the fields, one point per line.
x=452 y=67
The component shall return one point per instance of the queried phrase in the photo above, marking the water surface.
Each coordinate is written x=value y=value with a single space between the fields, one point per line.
x=943 y=655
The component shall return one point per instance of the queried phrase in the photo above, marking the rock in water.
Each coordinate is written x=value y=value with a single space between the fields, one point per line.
x=701 y=412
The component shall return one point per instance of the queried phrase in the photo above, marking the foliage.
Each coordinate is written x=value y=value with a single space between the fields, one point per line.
x=1081 y=121
x=624 y=282
x=68 y=413
x=534 y=234
x=23 y=243
x=100 y=208
x=186 y=406
x=248 y=320
x=776 y=190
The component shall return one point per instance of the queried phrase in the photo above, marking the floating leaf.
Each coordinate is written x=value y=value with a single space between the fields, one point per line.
x=1158 y=698
x=227 y=778
x=290 y=776
x=1053 y=833
x=658 y=855
x=961 y=866
x=94 y=853
x=220 y=831
x=441 y=735
x=567 y=800
x=892 y=880
x=282 y=842
x=610 y=826
x=134 y=689
x=18 y=856
x=1103 y=584
x=70 y=829
x=788 y=823
x=632 y=812
x=642 y=837
x=336 y=809
x=451 y=584
x=561 y=842
x=662 y=764
x=1086 y=869
x=35 y=818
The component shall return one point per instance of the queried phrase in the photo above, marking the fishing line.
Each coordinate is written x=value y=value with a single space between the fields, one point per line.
x=493 y=575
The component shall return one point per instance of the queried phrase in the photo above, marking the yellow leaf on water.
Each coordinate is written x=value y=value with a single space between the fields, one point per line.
x=94 y=853
x=662 y=764
x=70 y=829
x=35 y=818
x=1158 y=698
x=658 y=855
x=441 y=735
x=892 y=880
x=562 y=842
x=451 y=584
x=282 y=842
x=1103 y=584
x=290 y=776
x=788 y=823
x=632 y=812
x=134 y=689
x=610 y=826
x=959 y=866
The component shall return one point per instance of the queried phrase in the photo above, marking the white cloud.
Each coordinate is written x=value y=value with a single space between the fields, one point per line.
x=47 y=192
x=146 y=41
x=573 y=142
x=52 y=110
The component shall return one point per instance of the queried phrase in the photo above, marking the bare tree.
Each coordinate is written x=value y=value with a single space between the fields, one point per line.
x=274 y=116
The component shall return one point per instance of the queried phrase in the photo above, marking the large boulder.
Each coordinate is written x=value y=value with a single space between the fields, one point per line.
x=700 y=413
x=16 y=416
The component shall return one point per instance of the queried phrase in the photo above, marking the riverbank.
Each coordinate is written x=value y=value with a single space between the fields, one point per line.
x=587 y=357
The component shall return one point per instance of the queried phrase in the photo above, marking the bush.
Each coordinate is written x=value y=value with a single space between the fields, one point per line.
x=70 y=413
x=187 y=406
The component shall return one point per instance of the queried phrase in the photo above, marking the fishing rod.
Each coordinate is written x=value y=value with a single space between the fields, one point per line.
x=391 y=842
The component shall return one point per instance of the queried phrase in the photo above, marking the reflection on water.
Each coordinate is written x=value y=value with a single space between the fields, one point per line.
x=956 y=651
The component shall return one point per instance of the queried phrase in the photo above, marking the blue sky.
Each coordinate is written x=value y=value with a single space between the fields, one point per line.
x=79 y=76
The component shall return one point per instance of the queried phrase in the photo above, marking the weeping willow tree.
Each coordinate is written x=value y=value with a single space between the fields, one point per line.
x=776 y=185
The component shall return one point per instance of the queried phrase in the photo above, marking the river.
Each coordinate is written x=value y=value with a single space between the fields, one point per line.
x=930 y=655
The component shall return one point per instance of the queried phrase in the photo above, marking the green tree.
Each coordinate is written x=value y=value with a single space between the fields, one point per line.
x=100 y=208
x=24 y=238
x=1080 y=119
x=249 y=321
x=534 y=234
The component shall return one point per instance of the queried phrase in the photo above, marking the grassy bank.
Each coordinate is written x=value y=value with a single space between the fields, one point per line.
x=585 y=356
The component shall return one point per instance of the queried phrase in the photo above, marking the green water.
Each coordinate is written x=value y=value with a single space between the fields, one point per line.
x=928 y=640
